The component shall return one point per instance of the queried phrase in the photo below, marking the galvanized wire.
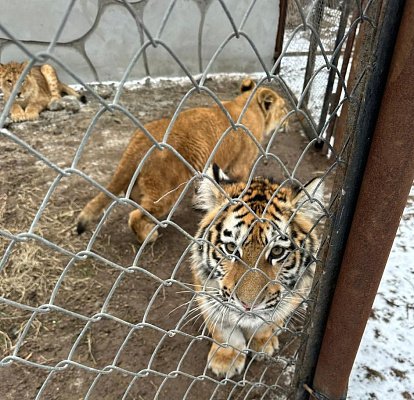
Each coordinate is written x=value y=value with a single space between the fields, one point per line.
x=295 y=108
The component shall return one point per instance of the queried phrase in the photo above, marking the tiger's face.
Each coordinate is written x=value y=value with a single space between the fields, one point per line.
x=257 y=252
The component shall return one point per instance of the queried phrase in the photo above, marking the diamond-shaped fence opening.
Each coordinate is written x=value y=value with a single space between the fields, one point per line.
x=100 y=316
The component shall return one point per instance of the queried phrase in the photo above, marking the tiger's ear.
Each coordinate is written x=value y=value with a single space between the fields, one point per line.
x=207 y=194
x=309 y=200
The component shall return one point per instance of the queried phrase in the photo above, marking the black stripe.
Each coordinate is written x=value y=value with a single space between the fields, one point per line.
x=258 y=198
x=219 y=226
x=237 y=207
x=274 y=216
x=240 y=216
x=216 y=172
x=239 y=224
x=215 y=257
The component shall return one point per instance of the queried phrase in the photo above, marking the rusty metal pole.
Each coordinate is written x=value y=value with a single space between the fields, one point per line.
x=317 y=17
x=388 y=177
x=280 y=32
x=346 y=9
x=345 y=62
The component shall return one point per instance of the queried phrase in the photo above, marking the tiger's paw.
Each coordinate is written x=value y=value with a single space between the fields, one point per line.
x=267 y=344
x=225 y=361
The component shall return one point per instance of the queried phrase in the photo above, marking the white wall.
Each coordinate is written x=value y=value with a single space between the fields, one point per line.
x=100 y=38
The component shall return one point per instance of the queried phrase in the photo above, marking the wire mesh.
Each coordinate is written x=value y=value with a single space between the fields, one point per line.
x=98 y=316
x=325 y=18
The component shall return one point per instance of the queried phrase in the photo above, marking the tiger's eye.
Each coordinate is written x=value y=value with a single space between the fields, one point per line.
x=277 y=251
x=230 y=247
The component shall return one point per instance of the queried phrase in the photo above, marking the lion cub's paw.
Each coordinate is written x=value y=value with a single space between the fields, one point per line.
x=18 y=116
x=82 y=223
x=31 y=115
x=225 y=361
x=264 y=344
x=141 y=227
x=54 y=98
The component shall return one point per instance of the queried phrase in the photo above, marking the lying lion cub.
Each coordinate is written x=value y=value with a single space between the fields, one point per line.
x=40 y=88
x=194 y=135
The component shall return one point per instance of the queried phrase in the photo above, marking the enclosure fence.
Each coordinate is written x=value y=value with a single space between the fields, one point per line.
x=35 y=319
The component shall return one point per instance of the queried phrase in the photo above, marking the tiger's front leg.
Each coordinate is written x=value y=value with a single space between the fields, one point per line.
x=264 y=341
x=227 y=359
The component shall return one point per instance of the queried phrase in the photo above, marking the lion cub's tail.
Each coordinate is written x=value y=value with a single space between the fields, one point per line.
x=71 y=92
x=118 y=184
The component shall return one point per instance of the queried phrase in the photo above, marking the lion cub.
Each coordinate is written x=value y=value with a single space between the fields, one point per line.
x=40 y=88
x=194 y=136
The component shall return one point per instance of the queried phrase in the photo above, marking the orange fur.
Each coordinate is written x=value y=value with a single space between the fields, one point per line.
x=247 y=297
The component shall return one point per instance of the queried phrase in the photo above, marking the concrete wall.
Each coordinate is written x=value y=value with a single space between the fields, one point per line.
x=101 y=37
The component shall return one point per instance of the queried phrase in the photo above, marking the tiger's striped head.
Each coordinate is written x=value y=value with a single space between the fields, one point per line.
x=257 y=245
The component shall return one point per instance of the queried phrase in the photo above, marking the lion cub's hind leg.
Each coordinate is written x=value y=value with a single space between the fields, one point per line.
x=52 y=80
x=141 y=224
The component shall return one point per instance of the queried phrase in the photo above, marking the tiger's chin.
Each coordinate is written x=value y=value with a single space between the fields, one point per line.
x=252 y=320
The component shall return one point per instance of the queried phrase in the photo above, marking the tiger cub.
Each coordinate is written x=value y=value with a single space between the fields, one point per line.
x=254 y=263
x=40 y=88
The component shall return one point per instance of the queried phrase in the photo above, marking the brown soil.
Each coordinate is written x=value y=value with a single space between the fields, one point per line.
x=106 y=350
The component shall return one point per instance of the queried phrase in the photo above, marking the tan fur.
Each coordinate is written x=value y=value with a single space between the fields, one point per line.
x=194 y=135
x=39 y=89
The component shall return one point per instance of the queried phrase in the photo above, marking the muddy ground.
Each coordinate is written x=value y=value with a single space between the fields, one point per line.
x=32 y=270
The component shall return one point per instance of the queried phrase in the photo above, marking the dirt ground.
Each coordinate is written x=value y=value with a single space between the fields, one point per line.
x=36 y=274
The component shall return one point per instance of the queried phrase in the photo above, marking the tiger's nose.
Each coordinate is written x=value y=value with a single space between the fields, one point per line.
x=248 y=306
x=250 y=289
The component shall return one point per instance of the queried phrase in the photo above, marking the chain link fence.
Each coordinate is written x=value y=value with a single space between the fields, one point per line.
x=309 y=49
x=97 y=315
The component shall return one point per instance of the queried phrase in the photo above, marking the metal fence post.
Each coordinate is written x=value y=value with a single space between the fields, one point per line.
x=317 y=18
x=332 y=73
x=280 y=32
x=361 y=126
x=387 y=181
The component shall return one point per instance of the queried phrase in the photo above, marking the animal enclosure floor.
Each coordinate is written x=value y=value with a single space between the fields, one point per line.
x=33 y=269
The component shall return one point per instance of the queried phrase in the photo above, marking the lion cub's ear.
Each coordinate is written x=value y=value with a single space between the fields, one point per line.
x=247 y=85
x=23 y=66
x=2 y=69
x=267 y=100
